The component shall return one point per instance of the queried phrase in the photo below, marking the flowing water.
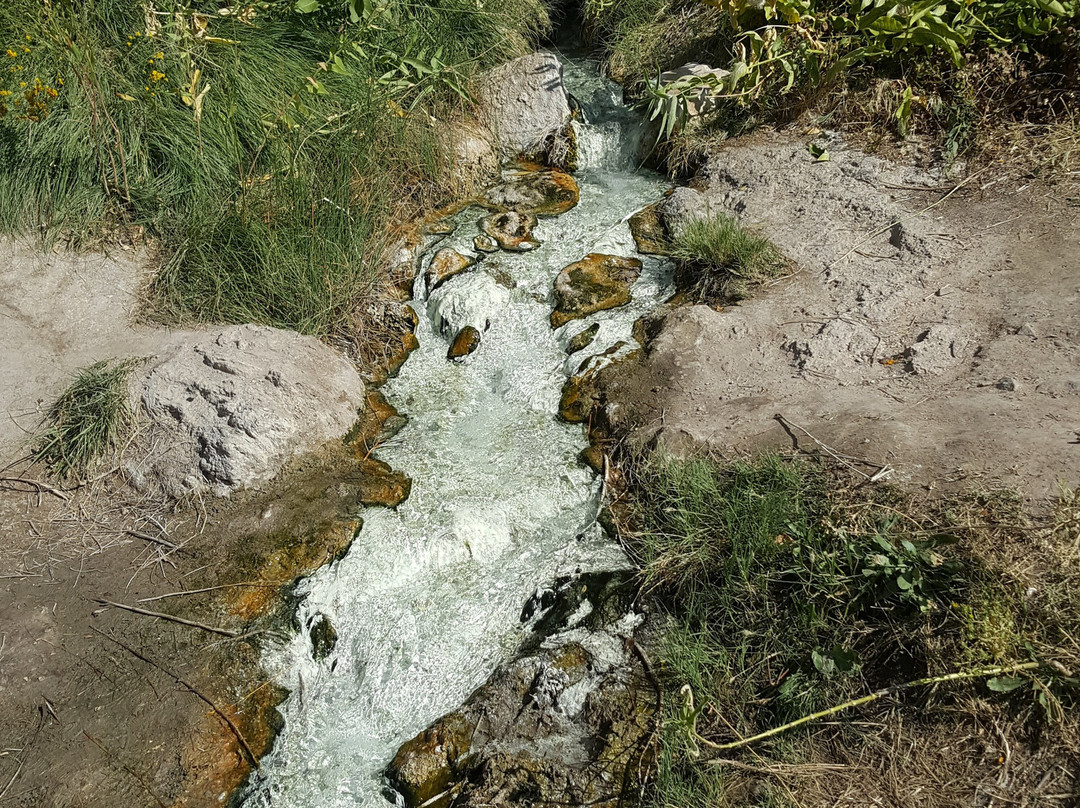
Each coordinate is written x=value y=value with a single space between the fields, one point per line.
x=427 y=602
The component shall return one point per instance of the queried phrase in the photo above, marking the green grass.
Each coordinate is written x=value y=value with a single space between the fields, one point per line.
x=268 y=170
x=86 y=421
x=786 y=593
x=719 y=260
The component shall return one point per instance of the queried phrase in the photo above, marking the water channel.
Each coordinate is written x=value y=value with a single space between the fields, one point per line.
x=428 y=600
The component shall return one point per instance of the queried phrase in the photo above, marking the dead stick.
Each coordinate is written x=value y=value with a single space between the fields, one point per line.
x=887 y=691
x=48 y=489
x=210 y=589
x=212 y=629
x=152 y=539
x=251 y=758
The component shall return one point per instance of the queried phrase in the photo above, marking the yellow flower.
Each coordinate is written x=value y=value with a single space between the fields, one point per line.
x=22 y=83
x=11 y=54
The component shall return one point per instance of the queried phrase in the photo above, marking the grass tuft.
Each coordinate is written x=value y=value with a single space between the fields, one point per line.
x=719 y=260
x=87 y=420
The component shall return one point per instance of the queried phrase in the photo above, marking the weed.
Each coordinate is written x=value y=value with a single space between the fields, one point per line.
x=87 y=420
x=719 y=260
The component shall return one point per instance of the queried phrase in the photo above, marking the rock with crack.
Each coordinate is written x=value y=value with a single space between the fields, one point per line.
x=229 y=408
x=542 y=193
x=445 y=264
x=593 y=284
x=474 y=299
x=511 y=230
x=525 y=104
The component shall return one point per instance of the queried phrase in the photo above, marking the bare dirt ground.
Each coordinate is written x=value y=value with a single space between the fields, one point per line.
x=946 y=347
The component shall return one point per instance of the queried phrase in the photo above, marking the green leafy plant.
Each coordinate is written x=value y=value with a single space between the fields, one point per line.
x=718 y=260
x=910 y=571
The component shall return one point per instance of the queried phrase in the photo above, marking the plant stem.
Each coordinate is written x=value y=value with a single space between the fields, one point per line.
x=888 y=691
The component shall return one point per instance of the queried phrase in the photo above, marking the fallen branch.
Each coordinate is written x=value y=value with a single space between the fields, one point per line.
x=267 y=584
x=152 y=539
x=146 y=612
x=882 y=472
x=248 y=754
x=886 y=691
x=39 y=486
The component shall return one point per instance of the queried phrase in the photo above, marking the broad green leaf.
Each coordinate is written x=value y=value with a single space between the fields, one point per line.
x=1005 y=684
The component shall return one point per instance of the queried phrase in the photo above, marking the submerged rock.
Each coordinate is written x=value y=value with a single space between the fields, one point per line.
x=485 y=243
x=445 y=264
x=467 y=341
x=525 y=104
x=511 y=230
x=228 y=408
x=442 y=227
x=593 y=284
x=647 y=228
x=583 y=339
x=543 y=193
x=323 y=637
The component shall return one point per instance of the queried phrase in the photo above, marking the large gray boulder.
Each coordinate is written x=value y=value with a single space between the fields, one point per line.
x=525 y=104
x=228 y=408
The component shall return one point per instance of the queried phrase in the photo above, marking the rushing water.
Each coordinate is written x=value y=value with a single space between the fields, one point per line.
x=427 y=602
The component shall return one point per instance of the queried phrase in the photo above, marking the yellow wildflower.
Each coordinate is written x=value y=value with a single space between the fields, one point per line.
x=11 y=54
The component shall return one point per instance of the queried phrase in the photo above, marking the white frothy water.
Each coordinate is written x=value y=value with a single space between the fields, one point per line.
x=427 y=602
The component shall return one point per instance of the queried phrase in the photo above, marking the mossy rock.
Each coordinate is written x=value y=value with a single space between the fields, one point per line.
x=583 y=339
x=445 y=264
x=593 y=457
x=647 y=228
x=595 y=283
x=511 y=230
x=466 y=341
x=323 y=637
x=428 y=765
x=485 y=244
x=378 y=484
x=542 y=193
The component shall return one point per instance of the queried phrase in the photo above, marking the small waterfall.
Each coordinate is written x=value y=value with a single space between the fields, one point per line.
x=427 y=602
x=609 y=134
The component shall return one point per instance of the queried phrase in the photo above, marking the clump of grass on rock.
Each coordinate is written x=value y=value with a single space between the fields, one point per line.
x=88 y=420
x=719 y=261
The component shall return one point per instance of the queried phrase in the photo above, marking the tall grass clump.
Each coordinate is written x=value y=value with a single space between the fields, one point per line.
x=718 y=260
x=785 y=593
x=87 y=420
x=266 y=150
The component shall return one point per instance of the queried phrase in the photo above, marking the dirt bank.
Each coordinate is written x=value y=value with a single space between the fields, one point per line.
x=945 y=347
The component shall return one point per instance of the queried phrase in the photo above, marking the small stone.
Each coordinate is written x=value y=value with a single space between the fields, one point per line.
x=378 y=484
x=595 y=283
x=1027 y=330
x=647 y=228
x=445 y=264
x=1008 y=383
x=583 y=339
x=485 y=243
x=511 y=230
x=323 y=637
x=466 y=341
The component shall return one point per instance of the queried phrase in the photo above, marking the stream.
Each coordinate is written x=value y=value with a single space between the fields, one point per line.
x=427 y=603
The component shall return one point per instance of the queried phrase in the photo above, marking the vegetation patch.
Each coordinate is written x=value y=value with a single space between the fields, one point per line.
x=718 y=260
x=974 y=77
x=788 y=593
x=266 y=146
x=89 y=419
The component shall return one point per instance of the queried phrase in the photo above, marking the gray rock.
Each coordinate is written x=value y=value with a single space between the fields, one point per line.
x=700 y=100
x=1008 y=384
x=524 y=103
x=680 y=208
x=474 y=155
x=228 y=408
